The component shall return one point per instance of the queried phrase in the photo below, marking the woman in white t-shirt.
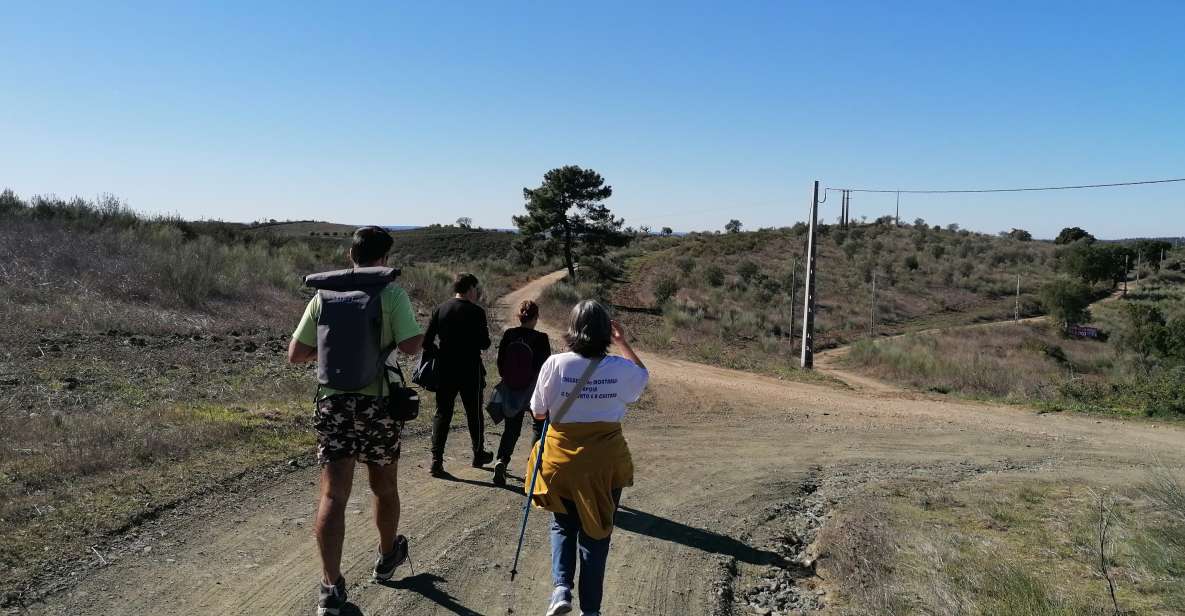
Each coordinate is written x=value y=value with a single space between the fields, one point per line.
x=586 y=460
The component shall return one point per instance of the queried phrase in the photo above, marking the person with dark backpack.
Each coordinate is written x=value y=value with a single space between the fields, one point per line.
x=350 y=327
x=457 y=334
x=521 y=354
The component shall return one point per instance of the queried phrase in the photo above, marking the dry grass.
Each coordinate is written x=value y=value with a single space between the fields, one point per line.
x=1023 y=362
x=1007 y=546
x=1031 y=363
x=855 y=550
x=144 y=360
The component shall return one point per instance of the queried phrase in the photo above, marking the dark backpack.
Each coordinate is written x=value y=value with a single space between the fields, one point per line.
x=517 y=368
x=350 y=328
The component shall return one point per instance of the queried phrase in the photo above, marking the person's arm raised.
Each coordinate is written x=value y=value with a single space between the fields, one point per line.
x=621 y=339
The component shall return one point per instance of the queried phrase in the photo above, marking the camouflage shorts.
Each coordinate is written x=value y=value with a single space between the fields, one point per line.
x=354 y=425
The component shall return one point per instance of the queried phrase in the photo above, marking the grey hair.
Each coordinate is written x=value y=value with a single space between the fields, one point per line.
x=589 y=332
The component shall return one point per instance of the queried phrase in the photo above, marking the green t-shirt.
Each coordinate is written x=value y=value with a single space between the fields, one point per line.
x=399 y=324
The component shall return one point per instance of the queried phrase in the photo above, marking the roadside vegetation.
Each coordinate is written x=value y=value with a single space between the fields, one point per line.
x=1134 y=364
x=142 y=360
x=1008 y=545
x=735 y=298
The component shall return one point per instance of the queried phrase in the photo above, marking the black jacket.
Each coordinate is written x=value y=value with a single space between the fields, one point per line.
x=463 y=334
x=537 y=340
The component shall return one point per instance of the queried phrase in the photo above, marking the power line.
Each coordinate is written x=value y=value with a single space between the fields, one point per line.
x=1005 y=190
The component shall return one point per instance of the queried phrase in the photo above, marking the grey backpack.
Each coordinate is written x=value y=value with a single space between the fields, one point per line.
x=350 y=353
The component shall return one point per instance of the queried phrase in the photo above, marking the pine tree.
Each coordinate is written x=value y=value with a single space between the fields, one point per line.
x=566 y=209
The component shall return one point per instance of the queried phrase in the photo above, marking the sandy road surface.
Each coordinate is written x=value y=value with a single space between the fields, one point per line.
x=727 y=463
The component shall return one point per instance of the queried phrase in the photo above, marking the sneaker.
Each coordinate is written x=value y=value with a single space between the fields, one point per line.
x=561 y=601
x=500 y=474
x=332 y=598
x=437 y=469
x=385 y=566
x=482 y=458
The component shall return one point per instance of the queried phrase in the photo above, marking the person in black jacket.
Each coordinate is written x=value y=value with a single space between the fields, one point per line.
x=460 y=324
x=509 y=351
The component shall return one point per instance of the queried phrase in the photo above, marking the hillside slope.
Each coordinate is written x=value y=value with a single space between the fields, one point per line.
x=736 y=299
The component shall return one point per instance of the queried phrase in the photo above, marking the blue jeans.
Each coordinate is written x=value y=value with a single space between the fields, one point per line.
x=568 y=539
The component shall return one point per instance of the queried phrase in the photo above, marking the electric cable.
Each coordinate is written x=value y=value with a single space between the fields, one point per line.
x=1006 y=190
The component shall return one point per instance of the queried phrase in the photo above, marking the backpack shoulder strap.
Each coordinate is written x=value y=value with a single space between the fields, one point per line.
x=571 y=399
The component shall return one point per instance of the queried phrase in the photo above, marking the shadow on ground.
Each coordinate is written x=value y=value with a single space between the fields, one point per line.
x=642 y=523
x=425 y=584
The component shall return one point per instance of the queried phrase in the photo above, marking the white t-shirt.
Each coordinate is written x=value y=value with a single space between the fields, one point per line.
x=616 y=383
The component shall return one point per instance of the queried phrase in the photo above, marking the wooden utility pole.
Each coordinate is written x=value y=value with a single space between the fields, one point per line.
x=847 y=209
x=897 y=216
x=808 y=317
x=1125 y=270
x=1017 y=317
x=1138 y=256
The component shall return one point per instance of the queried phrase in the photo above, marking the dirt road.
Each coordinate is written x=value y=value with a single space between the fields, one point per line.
x=730 y=469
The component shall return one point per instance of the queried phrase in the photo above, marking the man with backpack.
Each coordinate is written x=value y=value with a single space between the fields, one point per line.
x=457 y=334
x=356 y=319
x=521 y=354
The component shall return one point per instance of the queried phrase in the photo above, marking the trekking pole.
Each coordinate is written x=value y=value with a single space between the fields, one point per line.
x=530 y=492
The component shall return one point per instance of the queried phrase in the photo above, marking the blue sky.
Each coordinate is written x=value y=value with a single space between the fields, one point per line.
x=695 y=113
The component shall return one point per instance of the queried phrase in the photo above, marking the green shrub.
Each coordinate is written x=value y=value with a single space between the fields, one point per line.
x=1161 y=393
x=747 y=269
x=602 y=269
x=682 y=314
x=714 y=275
x=10 y=203
x=664 y=289
x=1066 y=300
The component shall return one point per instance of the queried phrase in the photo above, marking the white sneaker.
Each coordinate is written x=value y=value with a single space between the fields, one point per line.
x=561 y=601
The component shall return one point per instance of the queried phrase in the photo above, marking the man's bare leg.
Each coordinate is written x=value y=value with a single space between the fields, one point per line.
x=384 y=482
x=337 y=478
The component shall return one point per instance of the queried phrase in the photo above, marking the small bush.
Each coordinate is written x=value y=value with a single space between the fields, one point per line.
x=747 y=269
x=714 y=275
x=1066 y=300
x=664 y=289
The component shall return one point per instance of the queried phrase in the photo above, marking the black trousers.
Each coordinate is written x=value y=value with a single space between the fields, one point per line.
x=446 y=400
x=511 y=428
